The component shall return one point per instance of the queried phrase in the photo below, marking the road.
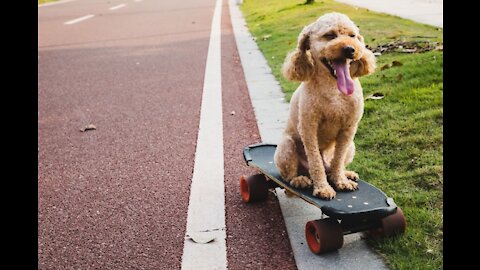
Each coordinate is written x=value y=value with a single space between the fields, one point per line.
x=117 y=197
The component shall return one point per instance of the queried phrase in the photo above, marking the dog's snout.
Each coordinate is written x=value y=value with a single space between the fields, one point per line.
x=348 y=51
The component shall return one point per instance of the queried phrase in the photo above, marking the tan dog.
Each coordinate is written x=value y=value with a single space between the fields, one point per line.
x=327 y=106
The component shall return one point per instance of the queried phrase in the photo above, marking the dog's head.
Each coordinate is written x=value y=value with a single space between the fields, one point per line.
x=335 y=48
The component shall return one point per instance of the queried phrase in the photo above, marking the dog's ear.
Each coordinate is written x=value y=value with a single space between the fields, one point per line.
x=304 y=41
x=365 y=65
x=360 y=38
x=298 y=65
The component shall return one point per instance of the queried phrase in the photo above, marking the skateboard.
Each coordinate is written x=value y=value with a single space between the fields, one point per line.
x=366 y=209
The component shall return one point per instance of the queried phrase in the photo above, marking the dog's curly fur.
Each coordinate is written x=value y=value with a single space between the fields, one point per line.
x=318 y=138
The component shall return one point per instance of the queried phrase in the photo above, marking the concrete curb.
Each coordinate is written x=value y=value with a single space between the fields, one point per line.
x=271 y=111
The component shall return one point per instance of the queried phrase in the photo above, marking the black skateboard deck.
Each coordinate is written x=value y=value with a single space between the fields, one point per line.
x=368 y=201
x=365 y=209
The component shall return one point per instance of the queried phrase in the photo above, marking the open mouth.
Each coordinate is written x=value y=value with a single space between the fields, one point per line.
x=328 y=65
x=340 y=70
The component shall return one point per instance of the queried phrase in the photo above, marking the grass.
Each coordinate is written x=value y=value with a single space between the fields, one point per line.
x=45 y=1
x=400 y=138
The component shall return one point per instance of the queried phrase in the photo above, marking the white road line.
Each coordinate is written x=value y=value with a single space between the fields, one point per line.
x=206 y=209
x=80 y=19
x=117 y=7
x=54 y=3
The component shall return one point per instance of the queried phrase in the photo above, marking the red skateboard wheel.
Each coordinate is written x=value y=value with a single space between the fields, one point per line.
x=253 y=188
x=390 y=225
x=324 y=235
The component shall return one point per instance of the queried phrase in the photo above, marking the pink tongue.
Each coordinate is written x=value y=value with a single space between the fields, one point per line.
x=344 y=81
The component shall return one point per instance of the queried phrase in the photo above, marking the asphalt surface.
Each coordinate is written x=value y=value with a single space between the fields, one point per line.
x=256 y=233
x=117 y=197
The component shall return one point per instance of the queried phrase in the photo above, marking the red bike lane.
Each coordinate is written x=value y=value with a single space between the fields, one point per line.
x=117 y=197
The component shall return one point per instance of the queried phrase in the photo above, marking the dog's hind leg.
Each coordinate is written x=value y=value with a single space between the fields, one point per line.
x=286 y=160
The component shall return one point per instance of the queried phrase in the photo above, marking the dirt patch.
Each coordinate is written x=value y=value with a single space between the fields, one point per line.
x=407 y=47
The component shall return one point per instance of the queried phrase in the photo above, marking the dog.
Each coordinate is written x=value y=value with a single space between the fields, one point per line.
x=327 y=106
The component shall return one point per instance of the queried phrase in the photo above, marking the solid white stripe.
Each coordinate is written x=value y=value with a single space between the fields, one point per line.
x=80 y=19
x=117 y=7
x=206 y=209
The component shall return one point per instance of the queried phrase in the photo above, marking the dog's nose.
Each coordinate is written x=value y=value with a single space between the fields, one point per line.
x=348 y=51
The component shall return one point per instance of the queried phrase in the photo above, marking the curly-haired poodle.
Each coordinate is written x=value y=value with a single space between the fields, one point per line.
x=327 y=106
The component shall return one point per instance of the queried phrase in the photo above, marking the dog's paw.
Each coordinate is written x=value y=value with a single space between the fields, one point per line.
x=301 y=182
x=352 y=175
x=345 y=184
x=324 y=192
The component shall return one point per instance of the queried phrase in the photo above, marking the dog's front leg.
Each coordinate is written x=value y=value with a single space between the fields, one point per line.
x=338 y=178
x=308 y=127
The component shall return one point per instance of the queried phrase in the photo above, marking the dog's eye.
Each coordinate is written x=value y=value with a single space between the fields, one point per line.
x=352 y=35
x=330 y=36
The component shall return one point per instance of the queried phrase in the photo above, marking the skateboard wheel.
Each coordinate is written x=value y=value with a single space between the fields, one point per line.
x=324 y=235
x=253 y=188
x=391 y=225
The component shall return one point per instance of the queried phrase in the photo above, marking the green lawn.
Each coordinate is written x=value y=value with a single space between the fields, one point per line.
x=400 y=138
x=45 y=1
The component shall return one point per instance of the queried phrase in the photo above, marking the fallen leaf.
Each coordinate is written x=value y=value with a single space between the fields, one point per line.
x=396 y=63
x=201 y=238
x=386 y=66
x=375 y=96
x=88 y=127
x=409 y=50
x=439 y=48
x=399 y=77
x=266 y=37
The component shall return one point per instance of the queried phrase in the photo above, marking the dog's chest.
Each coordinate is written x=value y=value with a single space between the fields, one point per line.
x=340 y=111
x=337 y=115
